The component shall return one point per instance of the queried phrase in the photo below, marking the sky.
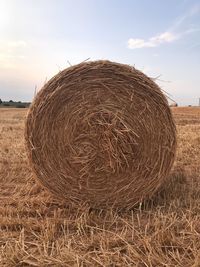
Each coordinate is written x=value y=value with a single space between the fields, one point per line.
x=38 y=38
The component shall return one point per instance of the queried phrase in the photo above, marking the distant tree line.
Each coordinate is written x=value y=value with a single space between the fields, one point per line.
x=14 y=104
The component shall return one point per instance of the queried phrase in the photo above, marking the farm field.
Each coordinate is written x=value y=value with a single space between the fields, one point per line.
x=38 y=230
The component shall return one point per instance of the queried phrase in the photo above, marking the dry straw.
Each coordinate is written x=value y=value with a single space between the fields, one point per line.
x=101 y=133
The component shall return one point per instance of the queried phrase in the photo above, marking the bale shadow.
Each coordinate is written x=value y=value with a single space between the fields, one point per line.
x=174 y=190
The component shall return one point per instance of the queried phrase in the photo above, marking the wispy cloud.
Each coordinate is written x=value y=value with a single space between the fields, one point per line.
x=194 y=10
x=165 y=37
x=169 y=36
x=18 y=43
x=180 y=21
x=11 y=53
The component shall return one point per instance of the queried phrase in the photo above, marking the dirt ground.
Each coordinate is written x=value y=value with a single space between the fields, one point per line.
x=38 y=230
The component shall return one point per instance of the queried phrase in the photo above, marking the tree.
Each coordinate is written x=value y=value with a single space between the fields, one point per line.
x=1 y=101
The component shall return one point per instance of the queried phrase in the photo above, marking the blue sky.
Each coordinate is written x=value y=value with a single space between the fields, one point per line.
x=40 y=37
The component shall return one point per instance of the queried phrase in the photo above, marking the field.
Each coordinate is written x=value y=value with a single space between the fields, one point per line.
x=38 y=230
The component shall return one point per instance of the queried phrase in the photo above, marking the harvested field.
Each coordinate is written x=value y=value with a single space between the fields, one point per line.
x=185 y=116
x=38 y=230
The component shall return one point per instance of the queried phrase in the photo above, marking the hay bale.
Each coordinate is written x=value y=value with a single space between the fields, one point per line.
x=102 y=133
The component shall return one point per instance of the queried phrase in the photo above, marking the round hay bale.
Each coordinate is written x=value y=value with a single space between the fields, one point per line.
x=101 y=133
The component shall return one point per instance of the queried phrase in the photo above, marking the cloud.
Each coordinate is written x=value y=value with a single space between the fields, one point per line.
x=19 y=43
x=181 y=20
x=11 y=53
x=175 y=32
x=165 y=37
x=194 y=10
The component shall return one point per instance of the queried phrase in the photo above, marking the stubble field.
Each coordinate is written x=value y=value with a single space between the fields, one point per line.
x=38 y=230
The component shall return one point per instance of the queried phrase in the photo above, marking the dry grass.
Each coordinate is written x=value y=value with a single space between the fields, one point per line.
x=37 y=230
